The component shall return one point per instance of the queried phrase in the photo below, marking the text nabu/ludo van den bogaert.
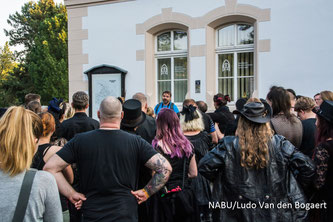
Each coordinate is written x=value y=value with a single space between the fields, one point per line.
x=233 y=205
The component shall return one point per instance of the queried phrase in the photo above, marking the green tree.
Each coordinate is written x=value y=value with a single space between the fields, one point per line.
x=16 y=85
x=7 y=61
x=41 y=27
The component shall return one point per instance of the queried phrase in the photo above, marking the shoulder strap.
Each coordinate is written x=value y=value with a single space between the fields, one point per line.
x=171 y=106
x=43 y=155
x=46 y=149
x=158 y=107
x=272 y=126
x=24 y=195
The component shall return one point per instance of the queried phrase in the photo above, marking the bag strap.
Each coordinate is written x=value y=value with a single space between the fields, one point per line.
x=24 y=195
x=272 y=126
x=158 y=107
x=184 y=167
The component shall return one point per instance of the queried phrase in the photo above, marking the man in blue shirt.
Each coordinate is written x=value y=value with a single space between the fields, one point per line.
x=166 y=103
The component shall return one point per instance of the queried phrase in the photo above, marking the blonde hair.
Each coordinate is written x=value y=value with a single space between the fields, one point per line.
x=19 y=128
x=304 y=103
x=150 y=111
x=254 y=139
x=193 y=125
x=69 y=111
x=326 y=95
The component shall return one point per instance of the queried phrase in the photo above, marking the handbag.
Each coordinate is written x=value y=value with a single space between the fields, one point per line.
x=24 y=195
x=182 y=199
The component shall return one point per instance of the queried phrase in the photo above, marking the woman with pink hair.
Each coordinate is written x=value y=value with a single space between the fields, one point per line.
x=176 y=202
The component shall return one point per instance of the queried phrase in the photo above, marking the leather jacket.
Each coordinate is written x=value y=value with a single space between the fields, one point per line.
x=273 y=193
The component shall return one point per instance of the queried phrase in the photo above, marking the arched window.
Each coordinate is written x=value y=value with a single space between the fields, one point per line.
x=171 y=60
x=234 y=49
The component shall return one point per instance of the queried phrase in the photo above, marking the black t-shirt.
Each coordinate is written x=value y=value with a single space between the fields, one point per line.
x=308 y=139
x=108 y=164
x=177 y=164
x=201 y=144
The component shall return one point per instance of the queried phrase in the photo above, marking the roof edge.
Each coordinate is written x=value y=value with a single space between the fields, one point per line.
x=83 y=3
x=105 y=65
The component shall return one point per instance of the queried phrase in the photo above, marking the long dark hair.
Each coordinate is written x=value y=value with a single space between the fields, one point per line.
x=280 y=100
x=170 y=134
x=324 y=130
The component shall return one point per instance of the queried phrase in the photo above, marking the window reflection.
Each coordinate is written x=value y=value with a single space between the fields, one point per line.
x=227 y=35
x=164 y=42
x=245 y=34
x=180 y=40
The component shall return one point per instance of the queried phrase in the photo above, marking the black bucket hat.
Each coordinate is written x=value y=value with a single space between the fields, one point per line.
x=133 y=116
x=258 y=112
x=325 y=110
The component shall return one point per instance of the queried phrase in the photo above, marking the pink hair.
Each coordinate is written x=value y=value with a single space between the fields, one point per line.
x=171 y=135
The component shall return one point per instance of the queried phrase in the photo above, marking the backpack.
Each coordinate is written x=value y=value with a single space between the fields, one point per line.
x=160 y=105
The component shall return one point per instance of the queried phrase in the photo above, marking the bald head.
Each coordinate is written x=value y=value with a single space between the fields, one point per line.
x=143 y=99
x=110 y=108
x=202 y=106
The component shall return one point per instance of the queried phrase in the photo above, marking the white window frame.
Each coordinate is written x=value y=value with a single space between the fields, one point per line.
x=172 y=54
x=232 y=50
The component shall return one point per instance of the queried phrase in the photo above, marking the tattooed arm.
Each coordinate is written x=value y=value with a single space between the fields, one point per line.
x=162 y=170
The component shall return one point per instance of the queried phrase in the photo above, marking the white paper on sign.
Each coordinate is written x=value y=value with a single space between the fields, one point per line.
x=104 y=85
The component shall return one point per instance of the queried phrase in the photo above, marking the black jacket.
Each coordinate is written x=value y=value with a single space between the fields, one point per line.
x=273 y=185
x=79 y=123
x=223 y=117
x=147 y=130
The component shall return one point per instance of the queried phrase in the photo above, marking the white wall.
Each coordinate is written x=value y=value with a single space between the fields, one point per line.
x=301 y=47
x=300 y=33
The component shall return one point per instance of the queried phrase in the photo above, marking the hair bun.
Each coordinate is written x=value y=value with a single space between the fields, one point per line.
x=227 y=97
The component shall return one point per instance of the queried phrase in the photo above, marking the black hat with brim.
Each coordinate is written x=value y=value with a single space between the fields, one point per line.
x=133 y=116
x=325 y=110
x=258 y=112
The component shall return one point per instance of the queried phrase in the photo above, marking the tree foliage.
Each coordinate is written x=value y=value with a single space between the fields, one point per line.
x=16 y=85
x=7 y=61
x=41 y=27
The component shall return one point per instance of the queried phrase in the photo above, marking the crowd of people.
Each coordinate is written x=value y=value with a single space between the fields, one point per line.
x=268 y=160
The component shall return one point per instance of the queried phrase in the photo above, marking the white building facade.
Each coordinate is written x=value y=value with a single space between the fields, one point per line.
x=197 y=48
